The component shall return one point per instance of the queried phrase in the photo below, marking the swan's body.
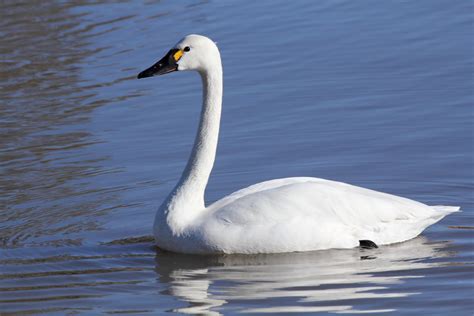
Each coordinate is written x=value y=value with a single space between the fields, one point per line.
x=283 y=215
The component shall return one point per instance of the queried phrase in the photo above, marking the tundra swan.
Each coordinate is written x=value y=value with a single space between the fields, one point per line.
x=282 y=215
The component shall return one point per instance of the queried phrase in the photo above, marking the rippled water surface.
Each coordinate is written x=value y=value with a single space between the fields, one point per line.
x=378 y=94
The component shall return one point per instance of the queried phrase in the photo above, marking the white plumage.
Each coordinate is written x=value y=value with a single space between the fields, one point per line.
x=282 y=215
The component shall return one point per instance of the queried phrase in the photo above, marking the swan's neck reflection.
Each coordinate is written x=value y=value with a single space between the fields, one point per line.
x=193 y=286
x=295 y=282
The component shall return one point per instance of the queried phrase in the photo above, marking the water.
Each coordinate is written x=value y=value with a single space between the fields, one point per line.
x=378 y=94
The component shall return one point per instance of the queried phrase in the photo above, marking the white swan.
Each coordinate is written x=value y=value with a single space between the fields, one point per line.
x=283 y=215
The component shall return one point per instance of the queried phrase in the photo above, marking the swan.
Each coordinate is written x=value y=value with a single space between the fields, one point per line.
x=276 y=216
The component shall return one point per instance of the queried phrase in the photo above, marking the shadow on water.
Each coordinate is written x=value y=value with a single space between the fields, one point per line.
x=130 y=276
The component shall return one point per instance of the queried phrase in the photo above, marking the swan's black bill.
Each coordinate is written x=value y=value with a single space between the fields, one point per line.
x=165 y=65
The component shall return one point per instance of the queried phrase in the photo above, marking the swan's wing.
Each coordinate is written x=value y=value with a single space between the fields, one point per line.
x=311 y=209
x=259 y=187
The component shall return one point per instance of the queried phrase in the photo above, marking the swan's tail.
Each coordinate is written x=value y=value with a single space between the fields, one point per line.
x=441 y=211
x=445 y=210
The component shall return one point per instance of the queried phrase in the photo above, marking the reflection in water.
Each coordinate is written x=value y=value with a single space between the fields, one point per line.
x=128 y=276
x=315 y=281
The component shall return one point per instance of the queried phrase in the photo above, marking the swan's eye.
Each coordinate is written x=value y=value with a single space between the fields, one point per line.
x=187 y=49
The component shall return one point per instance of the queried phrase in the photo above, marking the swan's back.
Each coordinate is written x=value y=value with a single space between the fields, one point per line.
x=300 y=214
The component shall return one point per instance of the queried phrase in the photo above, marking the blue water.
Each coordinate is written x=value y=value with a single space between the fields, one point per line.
x=376 y=94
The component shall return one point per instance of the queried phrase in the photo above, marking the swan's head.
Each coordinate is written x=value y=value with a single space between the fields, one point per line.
x=194 y=52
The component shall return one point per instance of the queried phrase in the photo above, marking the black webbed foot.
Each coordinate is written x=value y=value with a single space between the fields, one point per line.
x=367 y=244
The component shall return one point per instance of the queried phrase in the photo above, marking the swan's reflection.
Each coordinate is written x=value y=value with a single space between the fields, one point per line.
x=296 y=282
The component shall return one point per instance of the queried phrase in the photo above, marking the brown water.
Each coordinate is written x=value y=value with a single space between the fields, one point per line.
x=375 y=94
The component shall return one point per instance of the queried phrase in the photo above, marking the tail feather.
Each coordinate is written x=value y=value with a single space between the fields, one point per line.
x=446 y=209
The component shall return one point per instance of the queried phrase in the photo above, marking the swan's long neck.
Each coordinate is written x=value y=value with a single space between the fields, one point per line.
x=187 y=198
x=194 y=179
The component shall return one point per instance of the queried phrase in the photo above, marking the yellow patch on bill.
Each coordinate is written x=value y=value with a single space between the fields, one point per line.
x=178 y=55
